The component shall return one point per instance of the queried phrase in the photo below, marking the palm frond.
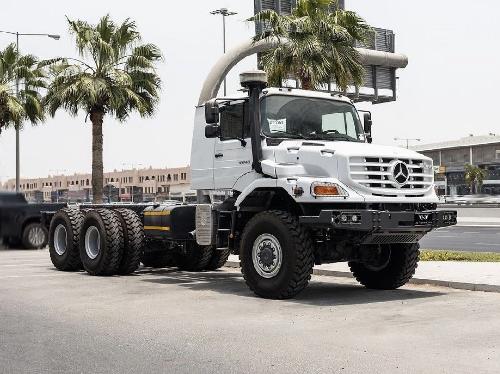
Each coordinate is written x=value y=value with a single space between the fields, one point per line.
x=314 y=45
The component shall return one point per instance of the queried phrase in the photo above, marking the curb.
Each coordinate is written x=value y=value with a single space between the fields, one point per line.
x=420 y=281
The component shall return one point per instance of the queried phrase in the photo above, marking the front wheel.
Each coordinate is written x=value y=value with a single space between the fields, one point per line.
x=397 y=268
x=276 y=255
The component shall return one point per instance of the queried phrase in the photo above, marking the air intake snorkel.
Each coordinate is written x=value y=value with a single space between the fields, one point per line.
x=255 y=81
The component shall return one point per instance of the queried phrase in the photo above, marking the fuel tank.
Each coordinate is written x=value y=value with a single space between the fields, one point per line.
x=173 y=222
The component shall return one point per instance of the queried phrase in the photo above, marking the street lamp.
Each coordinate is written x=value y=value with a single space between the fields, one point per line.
x=224 y=12
x=17 y=34
x=408 y=140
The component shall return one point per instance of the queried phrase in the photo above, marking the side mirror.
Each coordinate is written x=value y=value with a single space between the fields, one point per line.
x=367 y=125
x=211 y=112
x=212 y=131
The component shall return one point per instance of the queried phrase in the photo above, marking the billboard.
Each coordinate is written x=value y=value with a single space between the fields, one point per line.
x=379 y=82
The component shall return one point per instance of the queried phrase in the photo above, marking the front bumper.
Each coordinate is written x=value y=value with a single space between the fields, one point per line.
x=381 y=221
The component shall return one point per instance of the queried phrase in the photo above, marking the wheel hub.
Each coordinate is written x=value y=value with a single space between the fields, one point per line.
x=36 y=236
x=267 y=255
x=60 y=239
x=92 y=242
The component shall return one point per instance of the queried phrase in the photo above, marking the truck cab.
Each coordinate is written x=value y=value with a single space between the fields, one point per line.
x=304 y=162
x=306 y=136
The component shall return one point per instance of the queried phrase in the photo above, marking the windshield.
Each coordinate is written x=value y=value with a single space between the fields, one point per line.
x=310 y=118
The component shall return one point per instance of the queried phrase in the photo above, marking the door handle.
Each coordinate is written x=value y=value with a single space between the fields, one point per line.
x=218 y=155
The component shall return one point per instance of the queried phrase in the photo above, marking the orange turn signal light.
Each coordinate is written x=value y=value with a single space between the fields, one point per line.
x=327 y=189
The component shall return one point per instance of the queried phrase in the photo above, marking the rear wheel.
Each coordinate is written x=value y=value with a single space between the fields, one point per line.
x=276 y=255
x=101 y=242
x=133 y=241
x=35 y=236
x=195 y=258
x=396 y=267
x=218 y=259
x=64 y=238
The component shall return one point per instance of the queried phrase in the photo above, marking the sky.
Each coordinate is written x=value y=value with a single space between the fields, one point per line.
x=446 y=92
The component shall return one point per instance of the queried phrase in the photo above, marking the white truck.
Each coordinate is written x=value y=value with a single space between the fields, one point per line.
x=305 y=187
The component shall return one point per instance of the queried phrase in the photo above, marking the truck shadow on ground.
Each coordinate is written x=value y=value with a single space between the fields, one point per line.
x=319 y=292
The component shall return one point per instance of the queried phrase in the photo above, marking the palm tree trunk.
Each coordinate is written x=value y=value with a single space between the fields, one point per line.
x=306 y=83
x=96 y=117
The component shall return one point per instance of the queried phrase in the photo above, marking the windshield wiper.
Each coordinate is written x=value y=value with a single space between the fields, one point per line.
x=331 y=136
x=286 y=135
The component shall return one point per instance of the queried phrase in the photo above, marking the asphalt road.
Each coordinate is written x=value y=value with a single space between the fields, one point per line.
x=165 y=321
x=463 y=238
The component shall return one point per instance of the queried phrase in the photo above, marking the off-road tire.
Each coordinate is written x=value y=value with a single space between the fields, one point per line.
x=133 y=241
x=400 y=269
x=219 y=258
x=297 y=260
x=110 y=230
x=196 y=257
x=158 y=260
x=72 y=220
x=27 y=243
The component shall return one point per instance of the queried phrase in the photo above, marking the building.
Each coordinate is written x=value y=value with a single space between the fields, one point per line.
x=379 y=82
x=135 y=185
x=451 y=157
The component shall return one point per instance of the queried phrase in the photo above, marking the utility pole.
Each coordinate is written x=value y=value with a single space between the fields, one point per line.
x=224 y=12
x=17 y=34
x=408 y=140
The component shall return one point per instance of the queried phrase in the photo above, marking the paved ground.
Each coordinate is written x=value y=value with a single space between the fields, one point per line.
x=482 y=276
x=169 y=322
x=480 y=239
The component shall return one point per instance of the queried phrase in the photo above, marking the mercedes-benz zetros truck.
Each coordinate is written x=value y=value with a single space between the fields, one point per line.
x=305 y=186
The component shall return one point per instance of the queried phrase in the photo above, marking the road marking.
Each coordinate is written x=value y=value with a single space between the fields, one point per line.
x=470 y=232
x=445 y=236
x=29 y=276
x=25 y=264
x=489 y=244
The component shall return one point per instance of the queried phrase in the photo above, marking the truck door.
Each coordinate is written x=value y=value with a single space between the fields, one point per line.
x=232 y=159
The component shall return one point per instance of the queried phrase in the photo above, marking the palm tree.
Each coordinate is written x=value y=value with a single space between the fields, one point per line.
x=474 y=177
x=315 y=45
x=30 y=75
x=115 y=75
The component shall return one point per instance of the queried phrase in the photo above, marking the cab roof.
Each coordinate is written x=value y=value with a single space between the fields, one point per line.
x=305 y=93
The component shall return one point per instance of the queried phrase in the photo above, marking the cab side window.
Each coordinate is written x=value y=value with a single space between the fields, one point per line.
x=234 y=122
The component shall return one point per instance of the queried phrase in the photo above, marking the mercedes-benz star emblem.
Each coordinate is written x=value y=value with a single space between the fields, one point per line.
x=400 y=172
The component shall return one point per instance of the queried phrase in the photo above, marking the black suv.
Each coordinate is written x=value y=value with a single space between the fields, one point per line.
x=20 y=221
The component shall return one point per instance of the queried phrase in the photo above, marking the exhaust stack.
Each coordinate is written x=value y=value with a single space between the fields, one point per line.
x=255 y=81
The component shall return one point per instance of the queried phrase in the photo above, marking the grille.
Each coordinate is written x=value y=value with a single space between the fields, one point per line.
x=376 y=174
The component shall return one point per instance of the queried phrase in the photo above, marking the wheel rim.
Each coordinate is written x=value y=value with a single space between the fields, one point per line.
x=267 y=255
x=60 y=239
x=36 y=236
x=92 y=242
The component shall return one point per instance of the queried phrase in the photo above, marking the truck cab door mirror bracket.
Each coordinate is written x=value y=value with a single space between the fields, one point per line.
x=212 y=112
x=212 y=131
x=367 y=126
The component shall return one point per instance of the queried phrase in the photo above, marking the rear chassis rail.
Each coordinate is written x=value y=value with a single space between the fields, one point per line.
x=138 y=208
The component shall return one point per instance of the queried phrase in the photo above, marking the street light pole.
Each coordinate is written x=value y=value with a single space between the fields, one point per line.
x=224 y=12
x=18 y=158
x=407 y=140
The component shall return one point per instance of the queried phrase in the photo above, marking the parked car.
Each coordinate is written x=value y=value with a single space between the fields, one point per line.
x=20 y=221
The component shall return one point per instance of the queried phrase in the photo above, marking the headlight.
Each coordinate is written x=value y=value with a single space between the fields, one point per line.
x=327 y=189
